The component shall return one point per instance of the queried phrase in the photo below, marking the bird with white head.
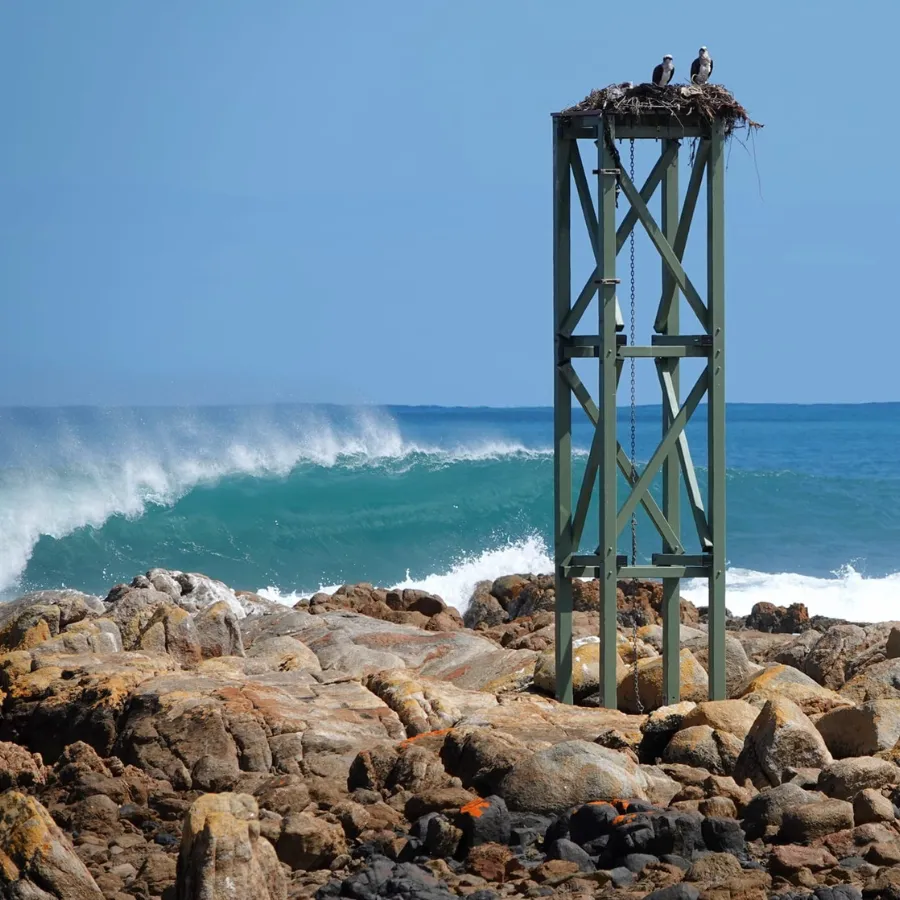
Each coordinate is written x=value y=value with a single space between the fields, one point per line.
x=664 y=72
x=701 y=67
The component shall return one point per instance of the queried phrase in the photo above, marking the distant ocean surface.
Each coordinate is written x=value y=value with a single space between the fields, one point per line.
x=288 y=499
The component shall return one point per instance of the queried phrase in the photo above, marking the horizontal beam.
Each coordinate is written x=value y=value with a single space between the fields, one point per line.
x=673 y=132
x=593 y=559
x=681 y=340
x=660 y=352
x=682 y=559
x=626 y=572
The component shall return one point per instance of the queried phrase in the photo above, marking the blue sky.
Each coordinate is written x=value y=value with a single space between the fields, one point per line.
x=322 y=200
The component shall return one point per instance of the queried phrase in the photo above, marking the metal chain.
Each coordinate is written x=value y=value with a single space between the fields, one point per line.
x=634 y=624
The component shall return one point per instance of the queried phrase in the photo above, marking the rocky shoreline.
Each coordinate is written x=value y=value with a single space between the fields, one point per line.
x=178 y=739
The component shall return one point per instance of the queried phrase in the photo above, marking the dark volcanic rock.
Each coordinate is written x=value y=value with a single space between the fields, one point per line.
x=484 y=821
x=570 y=851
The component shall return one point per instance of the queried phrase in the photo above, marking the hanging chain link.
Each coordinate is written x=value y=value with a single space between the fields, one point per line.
x=634 y=622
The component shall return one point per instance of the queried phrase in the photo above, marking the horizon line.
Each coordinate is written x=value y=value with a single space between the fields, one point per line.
x=373 y=405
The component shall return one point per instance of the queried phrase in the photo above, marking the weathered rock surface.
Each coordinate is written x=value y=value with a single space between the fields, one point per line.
x=357 y=645
x=784 y=681
x=703 y=747
x=222 y=854
x=56 y=699
x=426 y=704
x=365 y=729
x=878 y=682
x=575 y=772
x=863 y=730
x=778 y=619
x=738 y=666
x=203 y=732
x=36 y=859
x=585 y=668
x=694 y=683
x=781 y=737
x=845 y=778
x=733 y=716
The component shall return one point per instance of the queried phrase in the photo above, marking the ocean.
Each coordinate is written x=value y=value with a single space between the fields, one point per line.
x=285 y=500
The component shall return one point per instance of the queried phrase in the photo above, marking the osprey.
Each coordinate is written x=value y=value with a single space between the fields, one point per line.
x=701 y=67
x=664 y=72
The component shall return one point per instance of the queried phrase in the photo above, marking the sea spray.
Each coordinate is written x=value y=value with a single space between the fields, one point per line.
x=298 y=497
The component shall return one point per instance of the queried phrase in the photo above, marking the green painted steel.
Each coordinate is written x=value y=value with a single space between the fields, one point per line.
x=665 y=249
x=684 y=227
x=671 y=459
x=666 y=445
x=562 y=416
x=671 y=490
x=608 y=176
x=715 y=265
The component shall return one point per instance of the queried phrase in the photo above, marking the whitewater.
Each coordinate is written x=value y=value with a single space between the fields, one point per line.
x=289 y=500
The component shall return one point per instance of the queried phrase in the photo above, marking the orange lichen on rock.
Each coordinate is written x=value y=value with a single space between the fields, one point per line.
x=438 y=732
x=475 y=808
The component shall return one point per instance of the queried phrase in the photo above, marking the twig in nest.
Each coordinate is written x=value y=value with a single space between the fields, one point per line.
x=706 y=102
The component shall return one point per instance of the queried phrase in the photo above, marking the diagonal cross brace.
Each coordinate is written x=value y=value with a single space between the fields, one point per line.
x=670 y=402
x=570 y=323
x=665 y=249
x=666 y=532
x=684 y=228
x=590 y=222
x=642 y=485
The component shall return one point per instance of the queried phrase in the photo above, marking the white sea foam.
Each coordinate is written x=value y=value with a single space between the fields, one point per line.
x=456 y=585
x=846 y=595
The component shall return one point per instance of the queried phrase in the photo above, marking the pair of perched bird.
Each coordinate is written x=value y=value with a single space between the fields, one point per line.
x=701 y=69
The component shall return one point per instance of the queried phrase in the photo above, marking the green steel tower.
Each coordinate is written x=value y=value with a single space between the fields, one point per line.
x=598 y=131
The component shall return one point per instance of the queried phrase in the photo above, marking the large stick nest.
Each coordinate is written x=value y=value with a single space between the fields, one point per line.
x=682 y=102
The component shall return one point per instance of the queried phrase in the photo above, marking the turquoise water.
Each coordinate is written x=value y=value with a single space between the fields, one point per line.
x=294 y=498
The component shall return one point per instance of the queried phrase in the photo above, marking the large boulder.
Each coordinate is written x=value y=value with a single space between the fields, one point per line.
x=766 y=810
x=37 y=862
x=484 y=608
x=785 y=681
x=56 y=699
x=309 y=843
x=202 y=732
x=702 y=747
x=222 y=854
x=575 y=772
x=171 y=631
x=794 y=652
x=426 y=704
x=816 y=820
x=878 y=682
x=778 y=619
x=694 y=683
x=132 y=609
x=827 y=661
x=585 y=668
x=781 y=737
x=738 y=666
x=482 y=757
x=733 y=716
x=357 y=645
x=218 y=631
x=862 y=730
x=845 y=778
